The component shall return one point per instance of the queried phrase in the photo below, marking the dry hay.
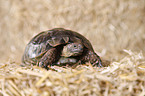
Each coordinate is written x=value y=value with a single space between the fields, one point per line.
x=123 y=78
x=110 y=25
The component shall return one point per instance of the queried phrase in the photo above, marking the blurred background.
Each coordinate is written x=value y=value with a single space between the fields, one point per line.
x=110 y=25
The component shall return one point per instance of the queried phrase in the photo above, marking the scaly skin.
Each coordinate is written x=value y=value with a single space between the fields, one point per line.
x=49 y=58
x=87 y=56
x=91 y=57
x=73 y=49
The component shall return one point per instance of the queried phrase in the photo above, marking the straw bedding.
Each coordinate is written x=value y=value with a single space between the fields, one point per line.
x=123 y=78
x=115 y=29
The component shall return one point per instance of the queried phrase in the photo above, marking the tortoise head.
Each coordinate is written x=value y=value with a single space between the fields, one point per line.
x=72 y=49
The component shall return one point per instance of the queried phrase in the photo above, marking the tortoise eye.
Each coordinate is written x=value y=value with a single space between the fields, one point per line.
x=75 y=46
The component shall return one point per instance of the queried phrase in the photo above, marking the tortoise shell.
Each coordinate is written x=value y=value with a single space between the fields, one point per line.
x=47 y=40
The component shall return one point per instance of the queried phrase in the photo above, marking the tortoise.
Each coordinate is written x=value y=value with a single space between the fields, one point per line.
x=59 y=46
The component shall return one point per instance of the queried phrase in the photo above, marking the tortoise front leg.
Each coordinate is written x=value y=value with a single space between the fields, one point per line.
x=49 y=58
x=91 y=57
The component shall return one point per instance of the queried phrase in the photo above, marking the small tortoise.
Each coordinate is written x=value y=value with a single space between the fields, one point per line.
x=59 y=46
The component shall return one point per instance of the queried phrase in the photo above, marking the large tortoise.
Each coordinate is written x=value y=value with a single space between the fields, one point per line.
x=59 y=46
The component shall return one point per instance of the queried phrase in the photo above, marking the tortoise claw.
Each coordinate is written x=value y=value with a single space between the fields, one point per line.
x=98 y=63
x=42 y=65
